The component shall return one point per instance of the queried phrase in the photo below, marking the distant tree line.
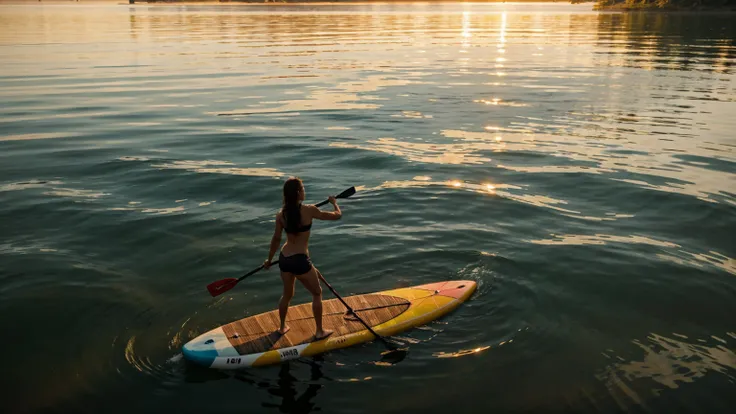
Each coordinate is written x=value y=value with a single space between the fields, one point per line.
x=664 y=4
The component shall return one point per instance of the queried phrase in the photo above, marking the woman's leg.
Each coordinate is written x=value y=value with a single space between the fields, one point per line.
x=311 y=282
x=288 y=279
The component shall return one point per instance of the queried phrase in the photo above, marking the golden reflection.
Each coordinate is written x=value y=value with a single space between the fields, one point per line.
x=420 y=151
x=712 y=258
x=75 y=193
x=162 y=210
x=358 y=379
x=30 y=137
x=601 y=239
x=426 y=182
x=135 y=206
x=307 y=51
x=45 y=116
x=667 y=361
x=133 y=158
x=411 y=114
x=461 y=353
x=645 y=156
x=717 y=259
x=466 y=25
x=502 y=37
x=131 y=357
x=498 y=190
x=465 y=34
x=219 y=167
x=343 y=96
x=530 y=199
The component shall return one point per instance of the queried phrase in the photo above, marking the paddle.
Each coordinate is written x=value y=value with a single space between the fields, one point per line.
x=393 y=355
x=222 y=286
x=345 y=194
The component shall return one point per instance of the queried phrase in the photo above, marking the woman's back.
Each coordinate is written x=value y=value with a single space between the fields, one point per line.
x=295 y=219
x=297 y=234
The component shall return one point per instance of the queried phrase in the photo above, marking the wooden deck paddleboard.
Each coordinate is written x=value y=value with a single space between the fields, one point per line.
x=253 y=341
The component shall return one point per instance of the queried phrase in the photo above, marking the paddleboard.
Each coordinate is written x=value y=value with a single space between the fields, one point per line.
x=254 y=341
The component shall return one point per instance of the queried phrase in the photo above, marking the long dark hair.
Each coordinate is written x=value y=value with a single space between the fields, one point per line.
x=292 y=205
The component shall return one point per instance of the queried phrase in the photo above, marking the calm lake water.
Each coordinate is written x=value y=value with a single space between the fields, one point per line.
x=580 y=166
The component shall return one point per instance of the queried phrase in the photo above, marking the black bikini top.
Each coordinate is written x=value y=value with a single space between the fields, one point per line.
x=299 y=229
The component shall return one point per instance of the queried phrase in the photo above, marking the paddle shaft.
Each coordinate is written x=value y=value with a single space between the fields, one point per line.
x=345 y=194
x=255 y=271
x=334 y=292
x=221 y=286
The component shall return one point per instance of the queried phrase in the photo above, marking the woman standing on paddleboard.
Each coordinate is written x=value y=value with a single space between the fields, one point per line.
x=295 y=219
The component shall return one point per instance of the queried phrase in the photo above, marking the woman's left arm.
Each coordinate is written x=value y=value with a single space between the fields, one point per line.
x=275 y=241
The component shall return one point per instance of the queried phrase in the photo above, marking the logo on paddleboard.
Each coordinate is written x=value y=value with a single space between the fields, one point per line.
x=289 y=353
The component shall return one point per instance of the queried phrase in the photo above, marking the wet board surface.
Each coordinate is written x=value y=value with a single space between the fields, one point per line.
x=253 y=341
x=258 y=333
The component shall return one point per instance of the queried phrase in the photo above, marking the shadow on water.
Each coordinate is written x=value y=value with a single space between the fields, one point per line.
x=291 y=400
x=285 y=387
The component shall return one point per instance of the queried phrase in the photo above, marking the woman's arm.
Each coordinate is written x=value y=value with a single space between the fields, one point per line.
x=316 y=213
x=275 y=241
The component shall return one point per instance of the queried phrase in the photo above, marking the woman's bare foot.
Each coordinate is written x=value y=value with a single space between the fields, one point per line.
x=283 y=330
x=323 y=334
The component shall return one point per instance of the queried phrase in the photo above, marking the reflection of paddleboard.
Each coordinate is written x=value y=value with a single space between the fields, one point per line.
x=253 y=341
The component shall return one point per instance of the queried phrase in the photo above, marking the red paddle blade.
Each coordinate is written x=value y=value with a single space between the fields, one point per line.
x=221 y=286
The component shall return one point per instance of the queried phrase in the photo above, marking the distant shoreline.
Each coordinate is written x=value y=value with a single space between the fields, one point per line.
x=653 y=7
x=332 y=3
x=280 y=3
x=595 y=6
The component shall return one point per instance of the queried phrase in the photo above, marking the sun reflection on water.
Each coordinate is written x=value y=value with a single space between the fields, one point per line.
x=461 y=353
x=667 y=362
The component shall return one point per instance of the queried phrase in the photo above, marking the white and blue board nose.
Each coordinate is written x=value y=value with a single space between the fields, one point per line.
x=205 y=348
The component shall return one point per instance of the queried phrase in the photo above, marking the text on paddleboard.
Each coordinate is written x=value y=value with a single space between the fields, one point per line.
x=289 y=353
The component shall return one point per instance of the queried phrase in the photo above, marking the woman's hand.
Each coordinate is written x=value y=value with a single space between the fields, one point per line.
x=267 y=264
x=315 y=212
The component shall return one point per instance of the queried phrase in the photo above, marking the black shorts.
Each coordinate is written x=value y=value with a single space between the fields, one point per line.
x=297 y=264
